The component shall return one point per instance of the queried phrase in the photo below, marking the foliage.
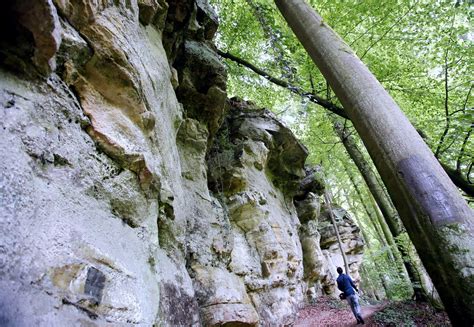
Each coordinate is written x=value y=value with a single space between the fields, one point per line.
x=393 y=317
x=415 y=48
x=385 y=277
x=410 y=313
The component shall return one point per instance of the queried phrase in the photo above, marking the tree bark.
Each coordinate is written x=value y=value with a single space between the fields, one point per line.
x=438 y=220
x=384 y=226
x=368 y=245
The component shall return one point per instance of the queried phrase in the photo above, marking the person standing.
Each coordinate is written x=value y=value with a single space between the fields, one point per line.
x=347 y=286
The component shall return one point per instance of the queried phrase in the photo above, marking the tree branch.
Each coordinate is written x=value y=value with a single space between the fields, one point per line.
x=469 y=173
x=446 y=95
x=466 y=138
x=463 y=148
x=459 y=180
x=295 y=89
x=388 y=30
x=375 y=24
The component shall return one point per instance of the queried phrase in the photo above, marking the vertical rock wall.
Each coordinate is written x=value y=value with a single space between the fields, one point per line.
x=132 y=191
x=257 y=164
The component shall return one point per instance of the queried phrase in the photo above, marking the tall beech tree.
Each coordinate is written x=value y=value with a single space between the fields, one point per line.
x=437 y=219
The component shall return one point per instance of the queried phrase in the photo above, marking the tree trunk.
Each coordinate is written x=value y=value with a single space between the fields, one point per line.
x=382 y=279
x=383 y=223
x=389 y=242
x=384 y=238
x=372 y=288
x=333 y=220
x=438 y=220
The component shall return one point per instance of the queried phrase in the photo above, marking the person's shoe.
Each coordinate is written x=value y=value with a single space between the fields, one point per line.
x=360 y=320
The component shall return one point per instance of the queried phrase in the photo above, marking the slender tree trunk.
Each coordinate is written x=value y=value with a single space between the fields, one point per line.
x=370 y=284
x=426 y=282
x=383 y=237
x=333 y=220
x=395 y=256
x=383 y=201
x=369 y=246
x=383 y=224
x=398 y=255
x=378 y=235
x=438 y=220
x=364 y=270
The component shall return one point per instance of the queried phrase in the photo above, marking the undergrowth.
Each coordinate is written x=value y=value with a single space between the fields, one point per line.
x=409 y=313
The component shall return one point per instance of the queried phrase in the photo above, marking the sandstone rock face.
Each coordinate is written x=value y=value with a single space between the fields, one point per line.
x=255 y=161
x=132 y=191
x=321 y=253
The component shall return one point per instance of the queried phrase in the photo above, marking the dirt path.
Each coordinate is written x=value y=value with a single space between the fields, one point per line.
x=328 y=312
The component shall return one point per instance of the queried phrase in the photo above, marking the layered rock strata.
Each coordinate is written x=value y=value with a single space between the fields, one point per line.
x=132 y=191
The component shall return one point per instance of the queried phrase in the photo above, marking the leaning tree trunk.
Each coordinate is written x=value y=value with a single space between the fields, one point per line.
x=438 y=220
x=368 y=245
x=389 y=242
x=333 y=220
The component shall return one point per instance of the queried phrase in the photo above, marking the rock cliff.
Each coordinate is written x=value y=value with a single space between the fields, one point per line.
x=133 y=191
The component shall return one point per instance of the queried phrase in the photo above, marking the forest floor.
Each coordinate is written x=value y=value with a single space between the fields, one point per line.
x=327 y=311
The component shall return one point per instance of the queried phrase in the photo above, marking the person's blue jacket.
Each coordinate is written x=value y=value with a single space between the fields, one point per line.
x=346 y=285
